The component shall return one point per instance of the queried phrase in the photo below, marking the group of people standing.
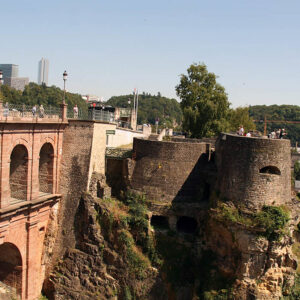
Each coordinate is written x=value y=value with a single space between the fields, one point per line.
x=41 y=111
x=277 y=134
x=242 y=132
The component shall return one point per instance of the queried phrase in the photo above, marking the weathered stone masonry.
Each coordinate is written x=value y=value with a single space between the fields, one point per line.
x=253 y=171
x=30 y=154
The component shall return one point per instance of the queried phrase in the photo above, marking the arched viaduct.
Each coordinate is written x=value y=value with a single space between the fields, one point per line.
x=30 y=154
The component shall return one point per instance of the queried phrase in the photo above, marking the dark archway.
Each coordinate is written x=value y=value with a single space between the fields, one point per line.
x=270 y=170
x=186 y=225
x=46 y=169
x=18 y=173
x=160 y=222
x=11 y=267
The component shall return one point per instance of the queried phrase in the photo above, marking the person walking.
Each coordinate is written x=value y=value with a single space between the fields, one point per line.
x=75 y=111
x=241 y=130
x=42 y=111
x=34 y=110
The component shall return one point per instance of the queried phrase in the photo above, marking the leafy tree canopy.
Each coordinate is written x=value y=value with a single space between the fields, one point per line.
x=278 y=112
x=151 y=107
x=297 y=170
x=203 y=101
x=240 y=116
x=40 y=94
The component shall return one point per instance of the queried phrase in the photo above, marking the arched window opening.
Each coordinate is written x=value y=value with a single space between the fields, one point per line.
x=46 y=169
x=11 y=267
x=18 y=173
x=159 y=222
x=270 y=170
x=186 y=225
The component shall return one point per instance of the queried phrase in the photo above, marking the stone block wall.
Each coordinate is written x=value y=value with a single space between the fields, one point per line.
x=83 y=154
x=76 y=152
x=170 y=171
x=247 y=170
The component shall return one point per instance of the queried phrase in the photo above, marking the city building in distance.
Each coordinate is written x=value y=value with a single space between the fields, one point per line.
x=10 y=76
x=9 y=70
x=43 y=71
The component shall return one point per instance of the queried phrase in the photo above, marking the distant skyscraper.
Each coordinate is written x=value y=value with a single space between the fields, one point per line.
x=9 y=70
x=43 y=71
x=10 y=76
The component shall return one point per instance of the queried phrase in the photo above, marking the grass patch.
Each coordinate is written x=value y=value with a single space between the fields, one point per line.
x=137 y=262
x=270 y=221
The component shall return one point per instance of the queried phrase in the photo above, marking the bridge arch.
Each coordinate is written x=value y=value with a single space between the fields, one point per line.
x=11 y=267
x=18 y=173
x=46 y=166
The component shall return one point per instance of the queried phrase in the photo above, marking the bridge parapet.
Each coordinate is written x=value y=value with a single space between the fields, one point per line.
x=24 y=113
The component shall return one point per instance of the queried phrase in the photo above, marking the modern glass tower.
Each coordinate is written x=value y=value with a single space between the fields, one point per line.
x=9 y=70
x=43 y=71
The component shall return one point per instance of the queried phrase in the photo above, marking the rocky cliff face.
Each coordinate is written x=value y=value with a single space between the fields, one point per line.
x=232 y=254
x=258 y=258
x=106 y=264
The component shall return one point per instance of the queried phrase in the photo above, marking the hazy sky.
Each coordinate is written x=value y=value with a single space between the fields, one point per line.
x=110 y=47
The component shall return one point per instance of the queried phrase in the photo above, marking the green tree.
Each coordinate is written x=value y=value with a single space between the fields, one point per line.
x=297 y=170
x=278 y=112
x=240 y=116
x=152 y=107
x=203 y=101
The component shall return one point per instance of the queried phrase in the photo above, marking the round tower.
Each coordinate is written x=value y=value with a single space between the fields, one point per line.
x=253 y=172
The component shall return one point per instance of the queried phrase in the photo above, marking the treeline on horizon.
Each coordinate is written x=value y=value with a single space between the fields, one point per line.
x=153 y=107
x=35 y=94
x=278 y=112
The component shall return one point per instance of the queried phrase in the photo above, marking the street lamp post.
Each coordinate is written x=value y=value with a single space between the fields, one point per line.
x=65 y=75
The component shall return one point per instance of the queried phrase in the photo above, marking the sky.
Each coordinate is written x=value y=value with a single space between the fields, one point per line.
x=111 y=47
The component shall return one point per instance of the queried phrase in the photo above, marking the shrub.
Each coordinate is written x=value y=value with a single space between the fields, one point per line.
x=273 y=219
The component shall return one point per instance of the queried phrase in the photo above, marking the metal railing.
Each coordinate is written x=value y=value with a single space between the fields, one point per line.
x=15 y=111
x=91 y=114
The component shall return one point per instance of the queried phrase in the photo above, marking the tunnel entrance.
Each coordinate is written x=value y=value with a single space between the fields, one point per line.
x=160 y=222
x=11 y=267
x=46 y=169
x=18 y=173
x=186 y=225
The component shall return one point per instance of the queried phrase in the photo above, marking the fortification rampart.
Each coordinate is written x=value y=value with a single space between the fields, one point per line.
x=254 y=171
x=170 y=171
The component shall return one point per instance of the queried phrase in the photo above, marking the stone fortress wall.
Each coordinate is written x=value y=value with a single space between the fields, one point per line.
x=249 y=171
x=254 y=171
x=169 y=171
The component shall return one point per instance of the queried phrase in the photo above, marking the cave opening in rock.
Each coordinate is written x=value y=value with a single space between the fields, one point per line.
x=186 y=225
x=160 y=222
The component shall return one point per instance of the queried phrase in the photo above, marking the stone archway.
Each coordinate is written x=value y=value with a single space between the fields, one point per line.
x=46 y=169
x=18 y=173
x=11 y=267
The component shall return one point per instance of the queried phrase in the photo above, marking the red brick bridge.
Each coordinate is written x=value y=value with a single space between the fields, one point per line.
x=30 y=154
